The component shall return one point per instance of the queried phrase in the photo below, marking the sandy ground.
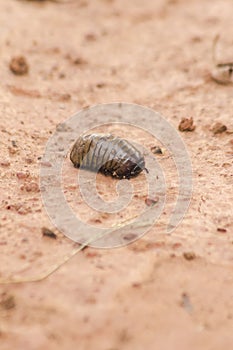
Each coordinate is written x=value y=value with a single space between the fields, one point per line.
x=150 y=294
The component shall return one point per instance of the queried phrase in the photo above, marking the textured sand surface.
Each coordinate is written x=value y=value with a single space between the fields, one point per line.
x=150 y=294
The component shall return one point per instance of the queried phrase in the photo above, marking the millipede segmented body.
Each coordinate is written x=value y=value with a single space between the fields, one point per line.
x=107 y=154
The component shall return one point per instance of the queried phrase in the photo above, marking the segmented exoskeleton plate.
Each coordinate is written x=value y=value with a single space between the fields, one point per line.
x=107 y=154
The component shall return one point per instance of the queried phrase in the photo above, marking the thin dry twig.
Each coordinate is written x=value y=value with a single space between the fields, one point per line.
x=55 y=267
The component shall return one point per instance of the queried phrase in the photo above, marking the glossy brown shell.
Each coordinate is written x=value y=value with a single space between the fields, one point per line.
x=107 y=154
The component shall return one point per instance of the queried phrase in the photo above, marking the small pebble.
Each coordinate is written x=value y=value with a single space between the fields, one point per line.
x=189 y=255
x=218 y=128
x=186 y=124
x=48 y=233
x=130 y=236
x=18 y=65
x=100 y=85
x=151 y=201
x=79 y=61
x=14 y=144
x=156 y=150
x=221 y=229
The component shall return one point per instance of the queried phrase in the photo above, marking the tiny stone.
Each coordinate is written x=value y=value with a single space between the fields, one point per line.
x=14 y=144
x=222 y=230
x=79 y=61
x=18 y=65
x=189 y=255
x=48 y=233
x=130 y=236
x=186 y=124
x=156 y=150
x=100 y=85
x=151 y=201
x=218 y=128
